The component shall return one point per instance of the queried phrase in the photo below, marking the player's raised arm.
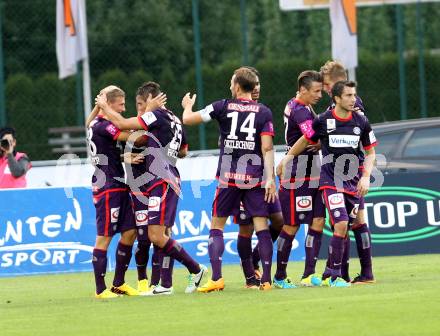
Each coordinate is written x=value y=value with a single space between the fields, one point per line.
x=295 y=150
x=269 y=163
x=189 y=117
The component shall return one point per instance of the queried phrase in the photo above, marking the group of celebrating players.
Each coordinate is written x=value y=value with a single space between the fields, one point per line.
x=327 y=165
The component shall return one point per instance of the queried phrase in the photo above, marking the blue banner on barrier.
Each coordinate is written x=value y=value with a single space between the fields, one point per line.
x=53 y=230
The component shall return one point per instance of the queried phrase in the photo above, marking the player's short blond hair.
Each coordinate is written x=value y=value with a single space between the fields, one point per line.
x=112 y=92
x=334 y=70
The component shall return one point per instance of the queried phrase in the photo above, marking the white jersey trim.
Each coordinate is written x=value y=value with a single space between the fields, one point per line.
x=205 y=113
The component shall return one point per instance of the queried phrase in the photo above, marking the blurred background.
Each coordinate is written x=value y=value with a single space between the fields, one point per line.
x=133 y=41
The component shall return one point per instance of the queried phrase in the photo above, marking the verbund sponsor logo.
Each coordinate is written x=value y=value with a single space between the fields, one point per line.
x=340 y=141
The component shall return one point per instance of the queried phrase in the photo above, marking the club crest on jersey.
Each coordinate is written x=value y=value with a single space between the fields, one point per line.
x=154 y=203
x=331 y=125
x=357 y=130
x=304 y=203
x=114 y=215
x=141 y=217
x=336 y=201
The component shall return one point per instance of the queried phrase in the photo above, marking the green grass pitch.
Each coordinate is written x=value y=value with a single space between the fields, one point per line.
x=404 y=301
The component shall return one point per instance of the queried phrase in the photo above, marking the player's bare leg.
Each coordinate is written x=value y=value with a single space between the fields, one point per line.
x=244 y=248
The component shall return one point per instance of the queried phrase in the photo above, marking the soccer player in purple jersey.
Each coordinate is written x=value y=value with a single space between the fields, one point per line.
x=245 y=169
x=244 y=240
x=300 y=199
x=333 y=72
x=341 y=132
x=110 y=196
x=165 y=143
x=161 y=266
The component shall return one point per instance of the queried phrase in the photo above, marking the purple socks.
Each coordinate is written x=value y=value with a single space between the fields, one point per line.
x=99 y=261
x=123 y=256
x=244 y=248
x=336 y=250
x=312 y=247
x=265 y=249
x=173 y=249
x=216 y=248
x=363 y=244
x=141 y=256
x=284 y=246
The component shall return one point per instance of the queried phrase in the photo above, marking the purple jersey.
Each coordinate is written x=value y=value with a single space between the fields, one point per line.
x=242 y=123
x=165 y=139
x=358 y=108
x=134 y=172
x=105 y=155
x=298 y=119
x=340 y=137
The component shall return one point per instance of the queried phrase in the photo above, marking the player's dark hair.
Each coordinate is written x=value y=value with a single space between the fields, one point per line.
x=306 y=78
x=338 y=88
x=148 y=88
x=334 y=70
x=7 y=130
x=114 y=93
x=246 y=78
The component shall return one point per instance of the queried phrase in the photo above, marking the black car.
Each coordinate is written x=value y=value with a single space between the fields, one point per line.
x=409 y=145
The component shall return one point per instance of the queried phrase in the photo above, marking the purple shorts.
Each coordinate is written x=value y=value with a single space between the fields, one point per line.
x=140 y=206
x=301 y=205
x=162 y=205
x=242 y=217
x=114 y=212
x=341 y=206
x=228 y=200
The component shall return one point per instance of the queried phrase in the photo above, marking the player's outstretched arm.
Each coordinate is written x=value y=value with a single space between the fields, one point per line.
x=364 y=182
x=189 y=117
x=269 y=163
x=295 y=150
x=118 y=120
x=127 y=123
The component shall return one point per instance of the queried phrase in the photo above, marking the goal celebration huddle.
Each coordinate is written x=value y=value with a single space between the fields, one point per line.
x=325 y=172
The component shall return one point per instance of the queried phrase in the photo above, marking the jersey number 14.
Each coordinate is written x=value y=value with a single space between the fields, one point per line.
x=246 y=127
